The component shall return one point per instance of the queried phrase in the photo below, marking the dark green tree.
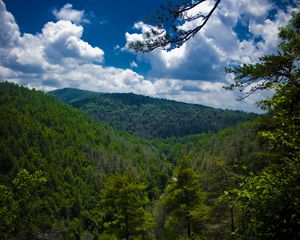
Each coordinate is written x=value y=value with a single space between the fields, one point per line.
x=124 y=200
x=184 y=202
x=19 y=206
x=269 y=200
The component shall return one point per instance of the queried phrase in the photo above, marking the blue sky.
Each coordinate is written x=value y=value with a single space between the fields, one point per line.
x=54 y=44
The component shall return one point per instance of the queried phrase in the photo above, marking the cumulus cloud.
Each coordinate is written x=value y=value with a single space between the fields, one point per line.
x=9 y=30
x=58 y=43
x=205 y=92
x=67 y=12
x=46 y=59
x=58 y=57
x=63 y=39
x=217 y=45
x=195 y=71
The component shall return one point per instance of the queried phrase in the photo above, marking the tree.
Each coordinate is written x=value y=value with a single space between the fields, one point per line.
x=183 y=201
x=269 y=200
x=168 y=22
x=18 y=206
x=124 y=200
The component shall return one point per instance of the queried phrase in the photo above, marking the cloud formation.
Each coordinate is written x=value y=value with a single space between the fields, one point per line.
x=58 y=57
x=197 y=67
x=133 y=64
x=67 y=12
x=218 y=45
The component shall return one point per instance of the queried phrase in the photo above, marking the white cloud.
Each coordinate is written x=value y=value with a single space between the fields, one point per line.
x=63 y=39
x=268 y=31
x=145 y=29
x=133 y=64
x=68 y=13
x=204 y=92
x=58 y=57
x=195 y=71
x=9 y=30
x=218 y=44
x=58 y=43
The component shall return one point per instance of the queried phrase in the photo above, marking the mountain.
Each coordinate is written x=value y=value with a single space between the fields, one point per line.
x=151 y=117
x=75 y=154
x=71 y=95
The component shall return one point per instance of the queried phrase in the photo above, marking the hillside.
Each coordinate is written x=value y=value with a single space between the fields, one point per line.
x=75 y=154
x=151 y=117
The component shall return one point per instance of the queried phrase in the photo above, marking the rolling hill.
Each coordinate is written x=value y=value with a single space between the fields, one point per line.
x=151 y=117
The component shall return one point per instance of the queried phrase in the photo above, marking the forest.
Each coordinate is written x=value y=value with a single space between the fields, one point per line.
x=64 y=173
x=83 y=165
x=151 y=117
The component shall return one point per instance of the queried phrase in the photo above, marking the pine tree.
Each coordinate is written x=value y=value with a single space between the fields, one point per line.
x=183 y=200
x=125 y=199
x=269 y=200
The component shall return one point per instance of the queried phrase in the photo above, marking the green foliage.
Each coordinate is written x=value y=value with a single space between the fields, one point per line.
x=39 y=132
x=269 y=199
x=151 y=117
x=124 y=199
x=8 y=212
x=19 y=206
x=184 y=203
x=76 y=154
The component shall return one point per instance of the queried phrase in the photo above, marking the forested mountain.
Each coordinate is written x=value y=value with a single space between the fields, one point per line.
x=66 y=175
x=75 y=154
x=221 y=159
x=72 y=155
x=151 y=117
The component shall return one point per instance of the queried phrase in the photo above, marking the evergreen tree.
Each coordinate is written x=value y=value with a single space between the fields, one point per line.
x=18 y=206
x=125 y=199
x=183 y=200
x=269 y=200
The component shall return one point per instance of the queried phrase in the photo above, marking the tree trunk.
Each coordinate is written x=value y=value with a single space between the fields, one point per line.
x=232 y=223
x=126 y=225
x=188 y=227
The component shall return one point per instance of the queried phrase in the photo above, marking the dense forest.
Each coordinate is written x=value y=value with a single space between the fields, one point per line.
x=73 y=156
x=65 y=174
x=151 y=117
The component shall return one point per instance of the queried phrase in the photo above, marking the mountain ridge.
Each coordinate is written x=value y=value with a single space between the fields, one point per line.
x=151 y=117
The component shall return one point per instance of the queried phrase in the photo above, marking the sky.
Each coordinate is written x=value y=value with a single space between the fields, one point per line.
x=83 y=44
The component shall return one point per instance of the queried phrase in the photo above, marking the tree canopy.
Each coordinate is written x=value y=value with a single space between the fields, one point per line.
x=184 y=202
x=151 y=117
x=125 y=199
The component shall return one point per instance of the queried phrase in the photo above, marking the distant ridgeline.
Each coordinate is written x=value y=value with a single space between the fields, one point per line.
x=151 y=117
